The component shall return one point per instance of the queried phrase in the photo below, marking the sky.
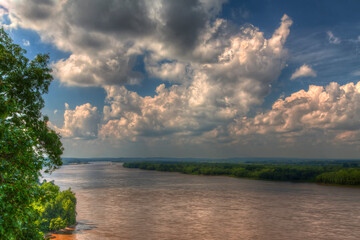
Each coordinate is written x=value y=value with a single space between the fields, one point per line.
x=213 y=79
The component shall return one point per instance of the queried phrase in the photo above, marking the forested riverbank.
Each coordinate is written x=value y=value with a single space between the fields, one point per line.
x=344 y=174
x=56 y=209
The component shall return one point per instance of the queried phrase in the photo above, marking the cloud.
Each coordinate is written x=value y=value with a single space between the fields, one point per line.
x=303 y=71
x=327 y=114
x=332 y=39
x=217 y=93
x=26 y=43
x=317 y=122
x=177 y=72
x=356 y=73
x=84 y=70
x=3 y=12
x=80 y=123
x=106 y=37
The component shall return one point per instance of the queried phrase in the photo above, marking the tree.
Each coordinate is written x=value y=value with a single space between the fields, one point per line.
x=57 y=210
x=27 y=144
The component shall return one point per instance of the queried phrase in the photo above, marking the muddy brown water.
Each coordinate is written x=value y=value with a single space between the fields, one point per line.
x=121 y=203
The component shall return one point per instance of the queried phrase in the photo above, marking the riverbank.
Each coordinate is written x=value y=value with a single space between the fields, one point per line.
x=324 y=174
x=67 y=232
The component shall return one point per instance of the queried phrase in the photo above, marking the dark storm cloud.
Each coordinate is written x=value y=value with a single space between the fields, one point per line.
x=124 y=17
x=177 y=23
x=183 y=22
x=104 y=36
x=38 y=9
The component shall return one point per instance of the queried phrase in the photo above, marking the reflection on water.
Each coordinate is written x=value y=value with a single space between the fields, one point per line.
x=119 y=203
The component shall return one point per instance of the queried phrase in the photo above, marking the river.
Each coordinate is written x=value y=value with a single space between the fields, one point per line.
x=121 y=203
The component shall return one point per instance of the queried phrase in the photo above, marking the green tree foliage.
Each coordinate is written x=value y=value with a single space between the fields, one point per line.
x=349 y=176
x=333 y=174
x=57 y=209
x=27 y=145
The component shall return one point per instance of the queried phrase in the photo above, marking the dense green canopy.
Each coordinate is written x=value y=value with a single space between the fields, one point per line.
x=27 y=144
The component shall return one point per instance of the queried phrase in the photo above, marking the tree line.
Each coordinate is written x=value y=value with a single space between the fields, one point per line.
x=332 y=174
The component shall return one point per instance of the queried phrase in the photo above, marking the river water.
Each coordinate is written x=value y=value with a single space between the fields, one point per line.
x=121 y=203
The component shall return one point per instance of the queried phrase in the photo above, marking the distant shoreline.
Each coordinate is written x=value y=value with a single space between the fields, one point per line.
x=76 y=163
x=335 y=175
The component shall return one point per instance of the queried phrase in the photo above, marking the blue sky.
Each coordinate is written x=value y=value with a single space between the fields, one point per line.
x=198 y=78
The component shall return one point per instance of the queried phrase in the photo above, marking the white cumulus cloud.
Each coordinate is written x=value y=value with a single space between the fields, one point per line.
x=330 y=113
x=217 y=93
x=303 y=71
x=80 y=123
